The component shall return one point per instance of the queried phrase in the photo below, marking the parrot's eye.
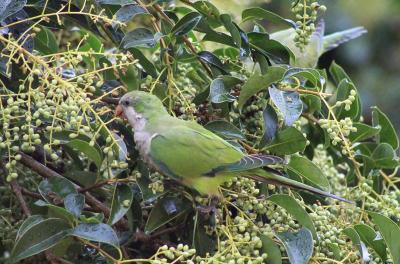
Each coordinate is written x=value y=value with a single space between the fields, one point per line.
x=125 y=103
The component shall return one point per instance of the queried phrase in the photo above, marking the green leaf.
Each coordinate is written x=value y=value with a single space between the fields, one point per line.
x=219 y=93
x=270 y=125
x=388 y=133
x=211 y=59
x=370 y=237
x=9 y=7
x=288 y=103
x=96 y=232
x=209 y=11
x=257 y=13
x=257 y=83
x=186 y=24
x=28 y=223
x=45 y=41
x=294 y=208
x=39 y=237
x=342 y=93
x=56 y=185
x=306 y=169
x=93 y=153
x=139 y=37
x=114 y=2
x=127 y=12
x=385 y=157
x=355 y=238
x=225 y=129
x=287 y=141
x=299 y=245
x=74 y=203
x=363 y=132
x=147 y=65
x=272 y=250
x=121 y=202
x=390 y=232
x=164 y=211
x=270 y=47
x=56 y=211
x=232 y=29
x=338 y=74
x=129 y=77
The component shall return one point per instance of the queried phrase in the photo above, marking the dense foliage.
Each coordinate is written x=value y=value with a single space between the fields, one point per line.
x=73 y=188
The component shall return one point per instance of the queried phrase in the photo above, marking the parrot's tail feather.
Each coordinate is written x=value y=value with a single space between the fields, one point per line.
x=334 y=40
x=270 y=178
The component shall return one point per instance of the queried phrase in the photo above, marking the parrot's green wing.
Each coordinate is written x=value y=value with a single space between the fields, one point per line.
x=334 y=40
x=183 y=151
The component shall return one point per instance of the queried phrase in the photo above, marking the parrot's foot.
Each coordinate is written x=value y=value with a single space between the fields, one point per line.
x=208 y=211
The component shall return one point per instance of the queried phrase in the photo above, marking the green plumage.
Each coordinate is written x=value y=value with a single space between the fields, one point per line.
x=191 y=154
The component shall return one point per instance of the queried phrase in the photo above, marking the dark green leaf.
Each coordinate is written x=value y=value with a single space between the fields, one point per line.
x=256 y=13
x=272 y=250
x=388 y=133
x=355 y=238
x=342 y=93
x=39 y=237
x=147 y=65
x=93 y=153
x=164 y=211
x=219 y=93
x=232 y=29
x=211 y=59
x=306 y=169
x=269 y=47
x=287 y=141
x=288 y=103
x=139 y=37
x=74 y=203
x=390 y=232
x=270 y=125
x=311 y=75
x=294 y=208
x=121 y=202
x=186 y=24
x=257 y=83
x=9 y=7
x=385 y=157
x=299 y=246
x=225 y=129
x=363 y=132
x=371 y=238
x=115 y=2
x=45 y=42
x=209 y=11
x=313 y=103
x=56 y=211
x=96 y=232
x=56 y=185
x=338 y=73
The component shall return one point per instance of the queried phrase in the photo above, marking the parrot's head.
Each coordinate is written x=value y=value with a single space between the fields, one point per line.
x=138 y=107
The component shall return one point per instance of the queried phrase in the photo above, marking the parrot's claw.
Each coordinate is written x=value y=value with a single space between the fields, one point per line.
x=206 y=211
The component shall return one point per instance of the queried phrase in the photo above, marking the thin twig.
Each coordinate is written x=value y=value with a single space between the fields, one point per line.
x=17 y=191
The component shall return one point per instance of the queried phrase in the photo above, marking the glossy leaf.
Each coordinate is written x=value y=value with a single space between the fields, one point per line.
x=39 y=237
x=121 y=202
x=211 y=59
x=186 y=24
x=287 y=141
x=371 y=238
x=257 y=13
x=272 y=250
x=363 y=132
x=270 y=125
x=56 y=211
x=139 y=37
x=96 y=232
x=288 y=103
x=147 y=65
x=232 y=29
x=384 y=156
x=45 y=41
x=219 y=93
x=92 y=153
x=209 y=11
x=257 y=83
x=9 y=7
x=299 y=245
x=388 y=133
x=56 y=185
x=164 y=211
x=74 y=203
x=273 y=49
x=225 y=129
x=355 y=238
x=306 y=169
x=390 y=232
x=127 y=12
x=294 y=208
x=343 y=91
x=27 y=224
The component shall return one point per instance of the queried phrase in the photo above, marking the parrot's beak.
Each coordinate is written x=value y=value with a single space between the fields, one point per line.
x=119 y=111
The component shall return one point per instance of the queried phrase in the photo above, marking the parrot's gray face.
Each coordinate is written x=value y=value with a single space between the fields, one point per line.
x=127 y=111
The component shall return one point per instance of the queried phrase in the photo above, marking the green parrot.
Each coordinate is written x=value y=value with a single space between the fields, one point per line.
x=318 y=45
x=189 y=153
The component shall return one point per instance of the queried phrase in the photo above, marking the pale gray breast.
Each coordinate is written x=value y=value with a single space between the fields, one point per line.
x=143 y=141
